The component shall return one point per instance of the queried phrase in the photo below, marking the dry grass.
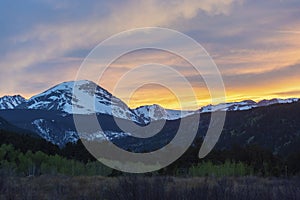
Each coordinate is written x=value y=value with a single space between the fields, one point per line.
x=138 y=187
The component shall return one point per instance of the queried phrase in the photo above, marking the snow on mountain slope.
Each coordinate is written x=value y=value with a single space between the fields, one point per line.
x=156 y=112
x=88 y=98
x=102 y=136
x=276 y=101
x=53 y=132
x=48 y=130
x=176 y=114
x=243 y=105
x=11 y=102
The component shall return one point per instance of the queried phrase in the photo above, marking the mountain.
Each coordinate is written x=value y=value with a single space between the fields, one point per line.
x=155 y=112
x=245 y=105
x=58 y=127
x=276 y=101
x=60 y=98
x=11 y=102
x=7 y=126
x=275 y=127
x=235 y=106
x=50 y=116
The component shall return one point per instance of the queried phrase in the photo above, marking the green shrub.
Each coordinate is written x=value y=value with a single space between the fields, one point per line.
x=33 y=164
x=226 y=169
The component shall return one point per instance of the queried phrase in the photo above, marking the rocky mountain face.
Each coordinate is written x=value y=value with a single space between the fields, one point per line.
x=11 y=102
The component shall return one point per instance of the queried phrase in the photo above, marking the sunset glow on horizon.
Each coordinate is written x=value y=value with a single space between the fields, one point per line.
x=255 y=45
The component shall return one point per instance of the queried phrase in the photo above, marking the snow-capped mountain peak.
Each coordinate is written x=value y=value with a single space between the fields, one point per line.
x=81 y=97
x=151 y=112
x=156 y=112
x=11 y=102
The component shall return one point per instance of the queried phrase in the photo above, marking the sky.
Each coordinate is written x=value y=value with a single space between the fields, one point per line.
x=255 y=45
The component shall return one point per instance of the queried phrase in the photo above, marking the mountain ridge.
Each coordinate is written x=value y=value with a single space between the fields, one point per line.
x=61 y=97
x=274 y=127
x=49 y=115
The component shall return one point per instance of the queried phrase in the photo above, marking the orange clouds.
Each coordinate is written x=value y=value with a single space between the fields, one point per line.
x=256 y=46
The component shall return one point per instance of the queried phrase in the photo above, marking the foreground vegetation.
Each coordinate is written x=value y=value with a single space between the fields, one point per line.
x=13 y=162
x=138 y=187
x=31 y=168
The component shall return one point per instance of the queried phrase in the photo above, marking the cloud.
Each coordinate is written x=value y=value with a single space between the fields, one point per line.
x=269 y=84
x=287 y=93
x=254 y=43
x=47 y=41
x=70 y=26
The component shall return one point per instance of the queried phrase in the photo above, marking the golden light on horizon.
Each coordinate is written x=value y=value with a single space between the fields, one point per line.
x=253 y=74
x=256 y=46
x=145 y=95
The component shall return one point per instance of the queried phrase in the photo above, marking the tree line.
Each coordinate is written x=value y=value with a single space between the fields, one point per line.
x=26 y=156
